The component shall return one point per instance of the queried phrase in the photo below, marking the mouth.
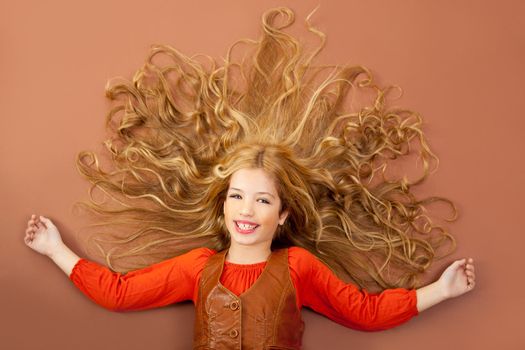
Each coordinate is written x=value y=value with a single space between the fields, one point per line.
x=245 y=227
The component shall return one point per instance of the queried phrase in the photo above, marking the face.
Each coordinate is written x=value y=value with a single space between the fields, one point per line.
x=251 y=208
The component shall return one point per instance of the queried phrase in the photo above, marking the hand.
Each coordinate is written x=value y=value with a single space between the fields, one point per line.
x=42 y=236
x=459 y=278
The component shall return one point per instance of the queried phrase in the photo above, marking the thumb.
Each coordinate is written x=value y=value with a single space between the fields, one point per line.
x=458 y=263
x=46 y=221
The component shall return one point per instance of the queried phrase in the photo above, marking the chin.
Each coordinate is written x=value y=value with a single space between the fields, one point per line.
x=242 y=240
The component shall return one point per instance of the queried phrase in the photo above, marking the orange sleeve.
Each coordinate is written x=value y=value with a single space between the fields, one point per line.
x=319 y=289
x=160 y=284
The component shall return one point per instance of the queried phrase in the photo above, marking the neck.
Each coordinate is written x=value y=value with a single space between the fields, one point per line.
x=242 y=254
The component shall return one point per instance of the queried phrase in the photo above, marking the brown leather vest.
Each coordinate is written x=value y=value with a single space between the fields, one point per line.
x=263 y=317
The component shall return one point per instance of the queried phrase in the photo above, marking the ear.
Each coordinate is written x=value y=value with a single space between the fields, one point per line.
x=283 y=216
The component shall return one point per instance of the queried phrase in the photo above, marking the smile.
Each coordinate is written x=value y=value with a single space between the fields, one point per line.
x=244 y=227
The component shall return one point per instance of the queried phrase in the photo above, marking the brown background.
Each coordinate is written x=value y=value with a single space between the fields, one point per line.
x=460 y=64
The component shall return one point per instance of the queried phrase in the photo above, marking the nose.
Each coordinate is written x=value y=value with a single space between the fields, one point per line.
x=246 y=209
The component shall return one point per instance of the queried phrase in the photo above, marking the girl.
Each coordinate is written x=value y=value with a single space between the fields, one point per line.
x=256 y=181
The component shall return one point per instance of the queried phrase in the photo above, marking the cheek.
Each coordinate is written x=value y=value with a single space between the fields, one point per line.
x=272 y=217
x=228 y=208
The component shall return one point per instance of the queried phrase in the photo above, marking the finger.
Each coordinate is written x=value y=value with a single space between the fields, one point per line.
x=27 y=236
x=42 y=224
x=46 y=221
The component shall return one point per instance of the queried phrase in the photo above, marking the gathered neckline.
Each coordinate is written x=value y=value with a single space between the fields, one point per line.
x=245 y=266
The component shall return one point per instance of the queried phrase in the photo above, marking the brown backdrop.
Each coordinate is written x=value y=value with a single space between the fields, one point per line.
x=459 y=63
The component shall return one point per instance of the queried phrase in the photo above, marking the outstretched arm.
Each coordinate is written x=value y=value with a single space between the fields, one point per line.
x=43 y=237
x=319 y=289
x=160 y=284
x=458 y=279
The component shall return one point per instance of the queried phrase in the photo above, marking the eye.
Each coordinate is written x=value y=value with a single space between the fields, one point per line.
x=236 y=196
x=262 y=200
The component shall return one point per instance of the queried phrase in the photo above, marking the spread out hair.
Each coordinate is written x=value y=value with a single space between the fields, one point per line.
x=325 y=133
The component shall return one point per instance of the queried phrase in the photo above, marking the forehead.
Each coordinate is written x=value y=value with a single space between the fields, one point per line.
x=253 y=180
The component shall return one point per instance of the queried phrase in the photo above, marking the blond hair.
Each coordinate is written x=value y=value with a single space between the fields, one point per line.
x=181 y=127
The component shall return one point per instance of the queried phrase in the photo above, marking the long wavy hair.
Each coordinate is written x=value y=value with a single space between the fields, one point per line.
x=183 y=125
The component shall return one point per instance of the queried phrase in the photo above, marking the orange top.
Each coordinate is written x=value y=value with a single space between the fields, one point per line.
x=177 y=279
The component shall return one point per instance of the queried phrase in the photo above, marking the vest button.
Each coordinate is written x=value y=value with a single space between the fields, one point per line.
x=234 y=333
x=234 y=305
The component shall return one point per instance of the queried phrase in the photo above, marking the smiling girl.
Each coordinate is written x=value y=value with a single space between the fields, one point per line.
x=263 y=197
x=252 y=212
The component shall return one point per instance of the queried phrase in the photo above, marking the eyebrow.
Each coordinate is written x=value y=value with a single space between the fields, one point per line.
x=238 y=189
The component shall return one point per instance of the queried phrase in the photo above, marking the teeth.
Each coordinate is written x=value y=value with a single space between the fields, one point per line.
x=245 y=226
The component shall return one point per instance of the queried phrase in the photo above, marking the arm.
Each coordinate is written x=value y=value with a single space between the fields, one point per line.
x=321 y=290
x=459 y=278
x=167 y=282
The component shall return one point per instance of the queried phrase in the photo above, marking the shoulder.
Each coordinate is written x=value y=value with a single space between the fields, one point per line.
x=299 y=251
x=189 y=261
x=199 y=253
x=298 y=254
x=196 y=258
x=193 y=261
x=305 y=262
x=301 y=261
x=303 y=270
